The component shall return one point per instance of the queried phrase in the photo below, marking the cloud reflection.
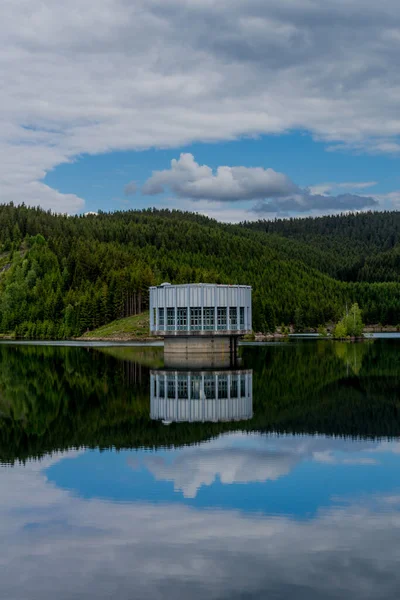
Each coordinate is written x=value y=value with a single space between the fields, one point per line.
x=255 y=459
x=58 y=545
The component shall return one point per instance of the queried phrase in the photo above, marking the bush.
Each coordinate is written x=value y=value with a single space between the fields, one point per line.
x=340 y=331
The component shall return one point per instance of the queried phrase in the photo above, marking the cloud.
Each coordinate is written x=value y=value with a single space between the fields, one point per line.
x=112 y=75
x=130 y=188
x=275 y=192
x=187 y=179
x=56 y=543
x=306 y=202
x=326 y=188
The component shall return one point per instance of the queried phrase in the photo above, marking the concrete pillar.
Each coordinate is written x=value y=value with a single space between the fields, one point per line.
x=202 y=307
x=215 y=308
x=188 y=308
x=176 y=309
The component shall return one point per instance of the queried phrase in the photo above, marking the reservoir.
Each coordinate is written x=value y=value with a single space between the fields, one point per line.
x=276 y=477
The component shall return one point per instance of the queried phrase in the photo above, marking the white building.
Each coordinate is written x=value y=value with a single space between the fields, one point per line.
x=199 y=396
x=200 y=309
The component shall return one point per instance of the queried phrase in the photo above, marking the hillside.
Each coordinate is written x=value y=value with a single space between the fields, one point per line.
x=137 y=326
x=61 y=276
x=351 y=247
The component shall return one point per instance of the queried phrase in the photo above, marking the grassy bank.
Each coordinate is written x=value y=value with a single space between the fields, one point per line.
x=130 y=328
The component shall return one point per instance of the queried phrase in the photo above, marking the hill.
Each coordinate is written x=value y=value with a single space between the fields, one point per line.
x=349 y=247
x=60 y=276
x=137 y=326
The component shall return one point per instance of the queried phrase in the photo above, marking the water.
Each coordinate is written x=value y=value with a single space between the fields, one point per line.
x=287 y=486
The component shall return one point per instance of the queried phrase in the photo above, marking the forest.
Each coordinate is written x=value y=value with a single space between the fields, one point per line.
x=61 y=276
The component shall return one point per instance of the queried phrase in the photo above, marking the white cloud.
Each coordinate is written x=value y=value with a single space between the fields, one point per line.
x=275 y=192
x=389 y=201
x=113 y=75
x=188 y=179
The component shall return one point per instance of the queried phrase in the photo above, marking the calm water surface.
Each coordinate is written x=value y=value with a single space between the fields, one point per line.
x=124 y=477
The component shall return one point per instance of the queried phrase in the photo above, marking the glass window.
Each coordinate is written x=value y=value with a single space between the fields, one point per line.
x=221 y=317
x=241 y=317
x=242 y=386
x=170 y=318
x=223 y=386
x=195 y=387
x=171 y=387
x=182 y=387
x=154 y=317
x=161 y=387
x=182 y=319
x=195 y=319
x=208 y=318
x=160 y=318
x=232 y=317
x=209 y=387
x=234 y=386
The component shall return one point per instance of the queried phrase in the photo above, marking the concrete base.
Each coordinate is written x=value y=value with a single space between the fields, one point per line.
x=200 y=345
x=192 y=361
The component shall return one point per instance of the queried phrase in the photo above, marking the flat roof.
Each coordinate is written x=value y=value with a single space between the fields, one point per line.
x=182 y=285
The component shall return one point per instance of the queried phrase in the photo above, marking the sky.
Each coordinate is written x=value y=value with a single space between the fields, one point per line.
x=238 y=109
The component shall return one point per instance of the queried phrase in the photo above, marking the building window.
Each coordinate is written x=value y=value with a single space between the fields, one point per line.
x=182 y=387
x=232 y=318
x=234 y=386
x=154 y=317
x=242 y=386
x=221 y=317
x=195 y=319
x=171 y=387
x=209 y=387
x=242 y=317
x=170 y=319
x=195 y=387
x=182 y=319
x=161 y=387
x=223 y=386
x=208 y=318
x=160 y=318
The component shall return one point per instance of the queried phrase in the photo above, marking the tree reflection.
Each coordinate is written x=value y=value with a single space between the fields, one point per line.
x=54 y=398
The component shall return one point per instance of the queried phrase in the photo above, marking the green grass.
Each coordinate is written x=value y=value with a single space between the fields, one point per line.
x=134 y=327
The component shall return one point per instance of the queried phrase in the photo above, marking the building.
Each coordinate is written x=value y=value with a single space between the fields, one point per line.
x=199 y=396
x=200 y=310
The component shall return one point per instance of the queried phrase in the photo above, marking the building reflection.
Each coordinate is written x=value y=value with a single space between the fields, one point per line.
x=201 y=395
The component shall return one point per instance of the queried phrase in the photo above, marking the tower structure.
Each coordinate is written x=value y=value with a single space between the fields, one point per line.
x=200 y=317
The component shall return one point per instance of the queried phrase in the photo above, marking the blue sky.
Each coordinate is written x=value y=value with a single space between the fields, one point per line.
x=101 y=179
x=263 y=106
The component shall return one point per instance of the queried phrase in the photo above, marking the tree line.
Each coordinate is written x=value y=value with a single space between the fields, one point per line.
x=60 y=275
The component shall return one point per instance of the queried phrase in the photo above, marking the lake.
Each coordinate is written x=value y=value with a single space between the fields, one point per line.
x=125 y=477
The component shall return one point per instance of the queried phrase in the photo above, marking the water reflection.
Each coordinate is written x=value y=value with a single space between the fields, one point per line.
x=181 y=396
x=227 y=509
x=58 y=543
